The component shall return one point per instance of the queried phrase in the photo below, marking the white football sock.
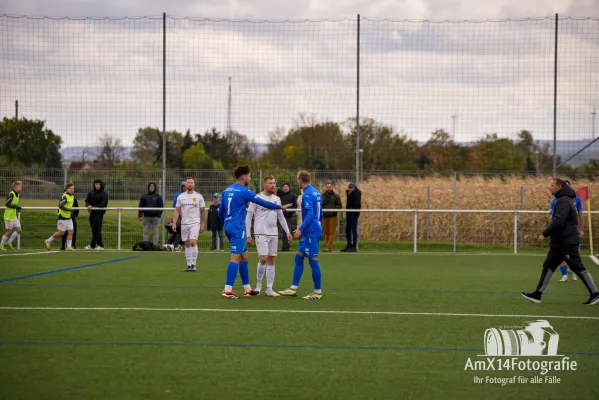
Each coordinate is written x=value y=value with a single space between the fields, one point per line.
x=69 y=243
x=194 y=255
x=260 y=274
x=3 y=240
x=188 y=255
x=228 y=288
x=270 y=277
x=12 y=237
x=50 y=239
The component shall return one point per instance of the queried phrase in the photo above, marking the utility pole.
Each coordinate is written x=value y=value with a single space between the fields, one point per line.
x=229 y=109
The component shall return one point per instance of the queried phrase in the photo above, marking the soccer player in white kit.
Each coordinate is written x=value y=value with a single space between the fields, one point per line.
x=192 y=208
x=267 y=234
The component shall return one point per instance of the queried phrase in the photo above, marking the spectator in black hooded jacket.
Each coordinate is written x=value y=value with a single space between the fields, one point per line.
x=150 y=218
x=96 y=198
x=214 y=223
x=564 y=237
x=354 y=202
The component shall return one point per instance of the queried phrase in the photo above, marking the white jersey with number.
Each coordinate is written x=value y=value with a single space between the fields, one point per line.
x=190 y=204
x=265 y=220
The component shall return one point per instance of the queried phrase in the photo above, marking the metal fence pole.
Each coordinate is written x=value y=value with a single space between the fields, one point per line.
x=428 y=215
x=515 y=233
x=521 y=228
x=555 y=101
x=415 y=232
x=358 y=102
x=66 y=176
x=455 y=207
x=118 y=244
x=163 y=119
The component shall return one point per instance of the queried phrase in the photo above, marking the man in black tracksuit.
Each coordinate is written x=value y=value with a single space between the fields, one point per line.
x=354 y=202
x=150 y=218
x=564 y=237
x=288 y=200
x=96 y=198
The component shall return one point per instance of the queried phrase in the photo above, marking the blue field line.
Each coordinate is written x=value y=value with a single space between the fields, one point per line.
x=266 y=345
x=65 y=269
x=201 y=287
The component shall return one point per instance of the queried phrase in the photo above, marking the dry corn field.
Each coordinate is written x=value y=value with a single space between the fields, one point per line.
x=472 y=193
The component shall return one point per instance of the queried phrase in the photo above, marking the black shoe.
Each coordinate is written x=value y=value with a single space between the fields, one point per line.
x=535 y=297
x=594 y=299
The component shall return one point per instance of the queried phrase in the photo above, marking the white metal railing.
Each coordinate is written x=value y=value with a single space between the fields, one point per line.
x=415 y=213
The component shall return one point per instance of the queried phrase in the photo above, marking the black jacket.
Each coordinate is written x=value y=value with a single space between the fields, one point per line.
x=354 y=201
x=287 y=198
x=213 y=222
x=563 y=228
x=150 y=200
x=97 y=198
x=75 y=213
x=330 y=201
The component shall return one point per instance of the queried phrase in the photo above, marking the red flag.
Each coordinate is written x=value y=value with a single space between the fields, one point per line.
x=583 y=193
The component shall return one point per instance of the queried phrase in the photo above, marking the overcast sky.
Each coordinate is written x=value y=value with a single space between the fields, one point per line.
x=88 y=78
x=300 y=9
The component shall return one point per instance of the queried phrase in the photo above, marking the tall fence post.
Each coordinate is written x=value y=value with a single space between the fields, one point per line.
x=455 y=207
x=66 y=176
x=163 y=120
x=515 y=232
x=358 y=102
x=555 y=101
x=415 y=232
x=118 y=236
x=428 y=214
x=521 y=222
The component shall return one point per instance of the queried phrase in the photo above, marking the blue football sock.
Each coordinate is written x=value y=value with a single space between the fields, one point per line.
x=244 y=272
x=232 y=270
x=564 y=270
x=298 y=270
x=316 y=274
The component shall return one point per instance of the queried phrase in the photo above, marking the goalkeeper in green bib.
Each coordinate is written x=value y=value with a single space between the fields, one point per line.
x=65 y=223
x=11 y=221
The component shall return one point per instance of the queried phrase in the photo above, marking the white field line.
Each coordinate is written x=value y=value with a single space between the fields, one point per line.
x=208 y=310
x=29 y=254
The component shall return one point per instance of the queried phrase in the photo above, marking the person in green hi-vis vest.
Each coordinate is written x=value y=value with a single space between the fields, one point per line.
x=11 y=220
x=65 y=213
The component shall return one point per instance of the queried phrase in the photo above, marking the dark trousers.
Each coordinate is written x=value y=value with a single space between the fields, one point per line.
x=570 y=254
x=95 y=222
x=284 y=235
x=351 y=230
x=221 y=242
x=64 y=237
x=175 y=239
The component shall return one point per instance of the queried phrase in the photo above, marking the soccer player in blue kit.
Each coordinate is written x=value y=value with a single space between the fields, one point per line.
x=232 y=212
x=310 y=232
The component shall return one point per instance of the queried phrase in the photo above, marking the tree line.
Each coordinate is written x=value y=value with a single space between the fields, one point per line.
x=309 y=144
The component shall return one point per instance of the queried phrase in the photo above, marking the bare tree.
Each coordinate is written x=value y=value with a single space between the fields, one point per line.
x=111 y=150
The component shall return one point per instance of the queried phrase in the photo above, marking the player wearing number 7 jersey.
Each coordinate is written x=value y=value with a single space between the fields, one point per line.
x=232 y=212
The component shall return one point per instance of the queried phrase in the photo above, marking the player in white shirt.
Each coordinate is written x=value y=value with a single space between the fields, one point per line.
x=192 y=208
x=267 y=234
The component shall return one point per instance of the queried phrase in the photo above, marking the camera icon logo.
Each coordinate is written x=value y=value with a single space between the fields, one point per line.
x=536 y=338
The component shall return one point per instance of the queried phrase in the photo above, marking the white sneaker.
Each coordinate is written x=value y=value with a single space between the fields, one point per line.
x=564 y=278
x=70 y=249
x=574 y=277
x=99 y=248
x=48 y=245
x=88 y=247
x=272 y=293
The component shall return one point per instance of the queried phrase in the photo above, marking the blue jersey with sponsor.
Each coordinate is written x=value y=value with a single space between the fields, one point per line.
x=311 y=212
x=578 y=204
x=233 y=207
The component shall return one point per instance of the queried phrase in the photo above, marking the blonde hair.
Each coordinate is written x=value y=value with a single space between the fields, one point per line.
x=304 y=176
x=16 y=183
x=268 y=178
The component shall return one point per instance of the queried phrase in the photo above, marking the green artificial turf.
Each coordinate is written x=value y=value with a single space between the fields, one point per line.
x=180 y=340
